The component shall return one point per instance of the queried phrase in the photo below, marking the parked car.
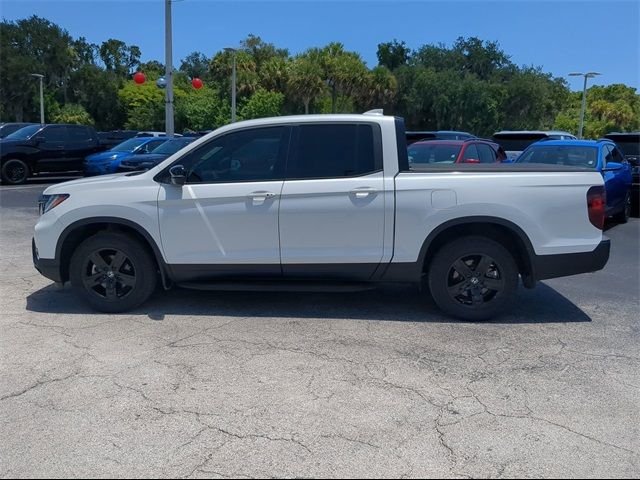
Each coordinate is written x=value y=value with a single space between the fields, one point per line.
x=414 y=136
x=515 y=142
x=320 y=202
x=602 y=155
x=108 y=161
x=112 y=138
x=149 y=160
x=629 y=143
x=45 y=148
x=473 y=150
x=9 y=128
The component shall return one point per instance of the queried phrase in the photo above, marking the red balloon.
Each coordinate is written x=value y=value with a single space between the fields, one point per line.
x=139 y=78
x=197 y=83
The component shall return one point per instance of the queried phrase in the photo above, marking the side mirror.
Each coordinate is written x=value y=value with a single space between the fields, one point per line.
x=178 y=175
x=612 y=167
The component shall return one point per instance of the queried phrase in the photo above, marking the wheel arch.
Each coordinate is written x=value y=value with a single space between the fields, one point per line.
x=78 y=231
x=505 y=232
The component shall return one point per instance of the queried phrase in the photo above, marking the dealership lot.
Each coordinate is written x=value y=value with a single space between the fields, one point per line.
x=378 y=383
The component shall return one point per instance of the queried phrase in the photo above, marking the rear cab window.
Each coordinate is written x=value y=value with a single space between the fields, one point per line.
x=335 y=150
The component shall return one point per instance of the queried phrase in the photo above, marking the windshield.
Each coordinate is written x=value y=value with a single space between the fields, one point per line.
x=129 y=145
x=24 y=133
x=561 y=155
x=172 y=146
x=420 y=153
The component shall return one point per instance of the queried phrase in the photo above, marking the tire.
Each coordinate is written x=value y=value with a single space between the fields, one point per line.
x=463 y=291
x=113 y=272
x=15 y=172
x=625 y=213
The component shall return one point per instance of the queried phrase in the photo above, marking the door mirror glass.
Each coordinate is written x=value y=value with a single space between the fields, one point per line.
x=178 y=175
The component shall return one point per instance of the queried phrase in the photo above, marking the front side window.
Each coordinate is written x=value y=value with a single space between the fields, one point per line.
x=151 y=146
x=255 y=154
x=470 y=153
x=334 y=151
x=79 y=134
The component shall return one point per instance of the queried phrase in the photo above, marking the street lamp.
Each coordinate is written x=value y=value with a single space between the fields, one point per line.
x=584 y=95
x=41 y=77
x=168 y=72
x=233 y=83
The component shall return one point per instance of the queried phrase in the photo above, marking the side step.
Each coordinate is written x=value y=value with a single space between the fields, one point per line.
x=280 y=286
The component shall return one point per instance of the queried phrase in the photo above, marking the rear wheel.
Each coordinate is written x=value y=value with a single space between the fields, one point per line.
x=473 y=278
x=625 y=213
x=113 y=272
x=14 y=172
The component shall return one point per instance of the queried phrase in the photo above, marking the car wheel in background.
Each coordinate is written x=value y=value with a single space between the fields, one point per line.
x=473 y=278
x=625 y=213
x=113 y=272
x=14 y=172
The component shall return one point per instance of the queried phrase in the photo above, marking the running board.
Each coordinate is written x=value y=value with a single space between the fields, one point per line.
x=280 y=286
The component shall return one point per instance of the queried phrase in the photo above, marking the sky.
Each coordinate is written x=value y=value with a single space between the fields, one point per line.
x=559 y=36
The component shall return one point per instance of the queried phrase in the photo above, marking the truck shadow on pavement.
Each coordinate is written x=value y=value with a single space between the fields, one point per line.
x=386 y=303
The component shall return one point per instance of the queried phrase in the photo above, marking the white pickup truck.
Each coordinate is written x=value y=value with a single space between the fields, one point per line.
x=320 y=202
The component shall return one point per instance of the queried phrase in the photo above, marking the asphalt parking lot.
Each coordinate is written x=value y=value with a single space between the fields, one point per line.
x=373 y=384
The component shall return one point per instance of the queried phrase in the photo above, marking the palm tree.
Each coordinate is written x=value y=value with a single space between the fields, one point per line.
x=305 y=80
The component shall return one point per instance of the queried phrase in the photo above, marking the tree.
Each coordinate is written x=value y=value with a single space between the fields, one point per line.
x=195 y=65
x=305 y=82
x=379 y=89
x=119 y=57
x=262 y=104
x=393 y=54
x=200 y=110
x=72 y=113
x=344 y=72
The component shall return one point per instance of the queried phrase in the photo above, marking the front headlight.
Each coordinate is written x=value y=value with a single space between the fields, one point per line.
x=47 y=202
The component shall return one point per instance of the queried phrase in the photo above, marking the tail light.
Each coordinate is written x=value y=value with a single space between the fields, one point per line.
x=596 y=204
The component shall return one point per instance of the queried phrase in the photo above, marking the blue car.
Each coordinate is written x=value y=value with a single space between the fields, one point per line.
x=602 y=155
x=150 y=160
x=108 y=161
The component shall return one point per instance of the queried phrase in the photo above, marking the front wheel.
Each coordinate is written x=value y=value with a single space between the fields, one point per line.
x=14 y=172
x=473 y=278
x=113 y=272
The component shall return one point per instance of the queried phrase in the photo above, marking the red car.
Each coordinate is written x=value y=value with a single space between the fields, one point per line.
x=473 y=150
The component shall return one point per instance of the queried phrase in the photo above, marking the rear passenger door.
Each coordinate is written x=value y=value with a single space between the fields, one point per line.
x=81 y=141
x=332 y=203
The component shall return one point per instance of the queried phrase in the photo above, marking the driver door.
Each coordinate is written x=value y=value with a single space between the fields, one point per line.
x=224 y=220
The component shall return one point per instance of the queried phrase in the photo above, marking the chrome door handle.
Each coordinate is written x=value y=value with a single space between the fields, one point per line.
x=363 y=192
x=261 y=197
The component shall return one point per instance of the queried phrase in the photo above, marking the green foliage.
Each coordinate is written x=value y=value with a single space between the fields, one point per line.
x=72 y=113
x=611 y=108
x=262 y=104
x=200 y=110
x=393 y=54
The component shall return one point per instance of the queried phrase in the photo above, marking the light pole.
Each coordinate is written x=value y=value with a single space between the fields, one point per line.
x=584 y=95
x=41 y=77
x=168 y=73
x=233 y=83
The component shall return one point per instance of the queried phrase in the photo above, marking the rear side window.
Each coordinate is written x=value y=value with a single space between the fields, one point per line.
x=487 y=154
x=79 y=134
x=335 y=151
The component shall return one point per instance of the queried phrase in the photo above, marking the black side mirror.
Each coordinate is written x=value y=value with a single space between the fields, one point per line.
x=178 y=175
